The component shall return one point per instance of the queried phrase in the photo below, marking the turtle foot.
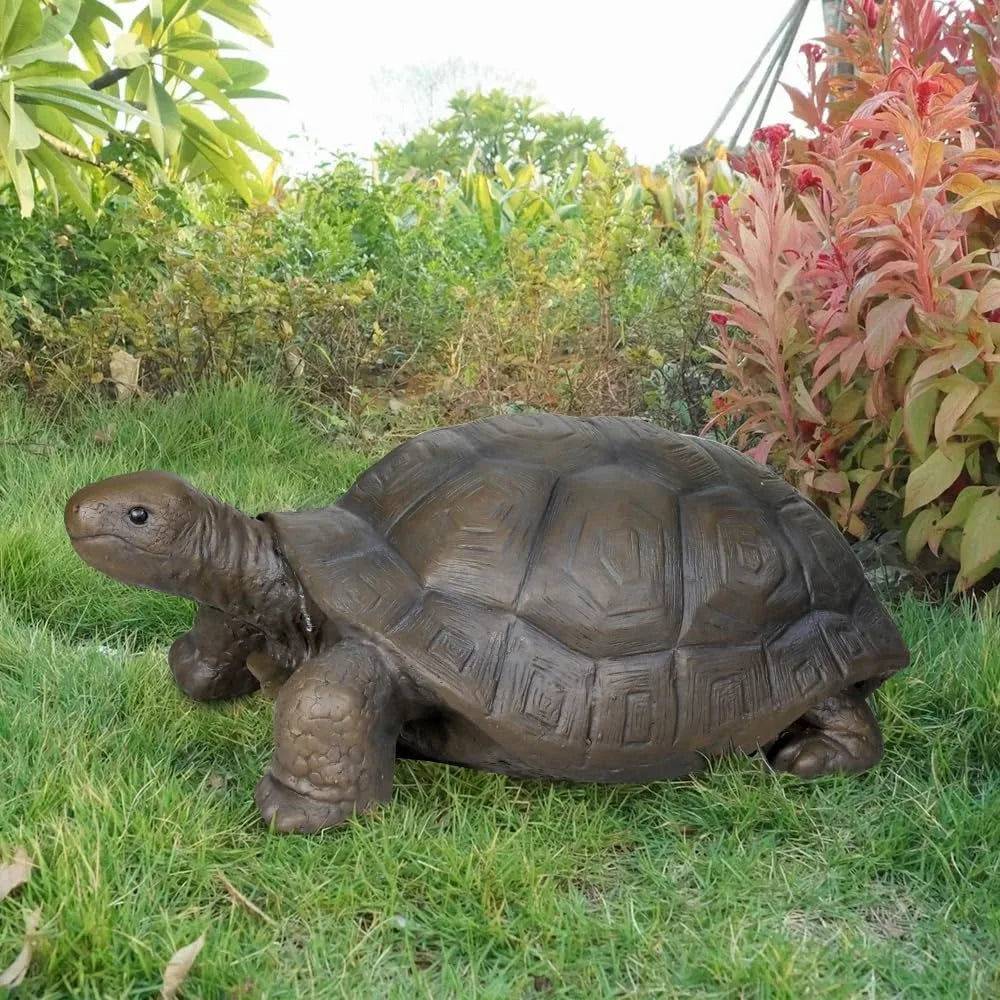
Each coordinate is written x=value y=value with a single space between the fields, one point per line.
x=292 y=812
x=840 y=735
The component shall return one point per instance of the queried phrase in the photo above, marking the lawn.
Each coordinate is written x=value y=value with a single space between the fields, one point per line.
x=136 y=805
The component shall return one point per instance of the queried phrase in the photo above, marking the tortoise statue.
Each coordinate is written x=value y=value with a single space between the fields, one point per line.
x=586 y=599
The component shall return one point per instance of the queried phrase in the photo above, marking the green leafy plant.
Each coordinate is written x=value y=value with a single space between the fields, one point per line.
x=685 y=194
x=215 y=297
x=163 y=98
x=860 y=331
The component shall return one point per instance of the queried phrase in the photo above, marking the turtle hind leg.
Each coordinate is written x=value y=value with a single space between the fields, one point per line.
x=209 y=663
x=840 y=734
x=336 y=720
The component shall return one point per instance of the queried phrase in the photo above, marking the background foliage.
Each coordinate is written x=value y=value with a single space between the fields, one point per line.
x=570 y=281
x=862 y=290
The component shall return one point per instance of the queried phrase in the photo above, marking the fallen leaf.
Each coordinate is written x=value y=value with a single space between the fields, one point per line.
x=294 y=362
x=16 y=873
x=14 y=974
x=237 y=897
x=216 y=782
x=124 y=370
x=178 y=968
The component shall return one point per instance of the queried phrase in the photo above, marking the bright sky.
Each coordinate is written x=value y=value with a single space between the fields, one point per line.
x=657 y=71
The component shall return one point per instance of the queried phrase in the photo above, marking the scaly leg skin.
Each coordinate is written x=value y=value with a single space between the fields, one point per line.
x=209 y=662
x=336 y=720
x=840 y=734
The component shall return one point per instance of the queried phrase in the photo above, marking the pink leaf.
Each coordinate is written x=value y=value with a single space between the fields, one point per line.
x=762 y=448
x=850 y=360
x=884 y=325
x=830 y=351
x=830 y=482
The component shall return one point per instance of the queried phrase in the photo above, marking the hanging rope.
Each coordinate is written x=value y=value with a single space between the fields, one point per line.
x=779 y=46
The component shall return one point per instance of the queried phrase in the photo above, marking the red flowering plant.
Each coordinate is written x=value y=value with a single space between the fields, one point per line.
x=861 y=322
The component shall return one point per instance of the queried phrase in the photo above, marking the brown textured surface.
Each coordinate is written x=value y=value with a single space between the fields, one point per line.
x=590 y=599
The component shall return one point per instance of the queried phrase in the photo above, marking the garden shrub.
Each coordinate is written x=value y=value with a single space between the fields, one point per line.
x=581 y=290
x=192 y=287
x=862 y=294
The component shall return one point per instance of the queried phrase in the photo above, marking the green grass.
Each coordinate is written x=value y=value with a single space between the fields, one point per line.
x=133 y=802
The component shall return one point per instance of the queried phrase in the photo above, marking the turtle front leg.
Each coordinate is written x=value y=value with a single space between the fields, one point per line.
x=336 y=720
x=209 y=663
x=840 y=734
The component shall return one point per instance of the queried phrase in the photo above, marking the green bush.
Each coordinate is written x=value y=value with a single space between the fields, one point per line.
x=512 y=287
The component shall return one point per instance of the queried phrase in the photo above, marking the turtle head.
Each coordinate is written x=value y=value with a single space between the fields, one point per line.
x=150 y=529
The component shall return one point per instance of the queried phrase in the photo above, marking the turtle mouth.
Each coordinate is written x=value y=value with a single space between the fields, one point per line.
x=111 y=553
x=110 y=537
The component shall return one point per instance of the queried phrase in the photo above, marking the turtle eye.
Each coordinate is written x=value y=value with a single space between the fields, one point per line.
x=138 y=515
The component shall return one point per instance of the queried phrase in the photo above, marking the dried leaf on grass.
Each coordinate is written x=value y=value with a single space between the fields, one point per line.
x=15 y=873
x=178 y=968
x=124 y=370
x=240 y=900
x=14 y=974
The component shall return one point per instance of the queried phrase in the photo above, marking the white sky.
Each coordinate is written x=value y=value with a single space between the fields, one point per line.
x=658 y=73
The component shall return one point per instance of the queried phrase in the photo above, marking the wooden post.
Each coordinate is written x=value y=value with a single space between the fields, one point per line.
x=833 y=15
x=834 y=21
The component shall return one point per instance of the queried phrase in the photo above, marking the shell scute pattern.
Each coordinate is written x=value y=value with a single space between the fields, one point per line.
x=673 y=460
x=832 y=573
x=545 y=689
x=541 y=439
x=743 y=472
x=719 y=689
x=634 y=709
x=461 y=655
x=740 y=576
x=606 y=585
x=474 y=535
x=407 y=475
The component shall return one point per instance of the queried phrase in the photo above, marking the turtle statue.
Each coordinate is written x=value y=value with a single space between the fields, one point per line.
x=583 y=599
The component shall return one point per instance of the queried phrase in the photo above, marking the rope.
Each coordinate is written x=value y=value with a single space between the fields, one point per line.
x=781 y=41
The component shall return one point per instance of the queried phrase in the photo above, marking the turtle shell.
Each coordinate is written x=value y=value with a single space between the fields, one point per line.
x=615 y=596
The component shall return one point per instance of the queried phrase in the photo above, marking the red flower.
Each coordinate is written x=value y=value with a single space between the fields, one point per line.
x=720 y=319
x=719 y=203
x=870 y=10
x=993 y=316
x=812 y=52
x=771 y=135
x=925 y=91
x=806 y=179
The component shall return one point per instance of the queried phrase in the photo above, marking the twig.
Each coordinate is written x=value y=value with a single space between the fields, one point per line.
x=110 y=78
x=237 y=897
x=68 y=149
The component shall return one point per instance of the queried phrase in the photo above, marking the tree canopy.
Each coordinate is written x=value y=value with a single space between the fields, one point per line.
x=485 y=129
